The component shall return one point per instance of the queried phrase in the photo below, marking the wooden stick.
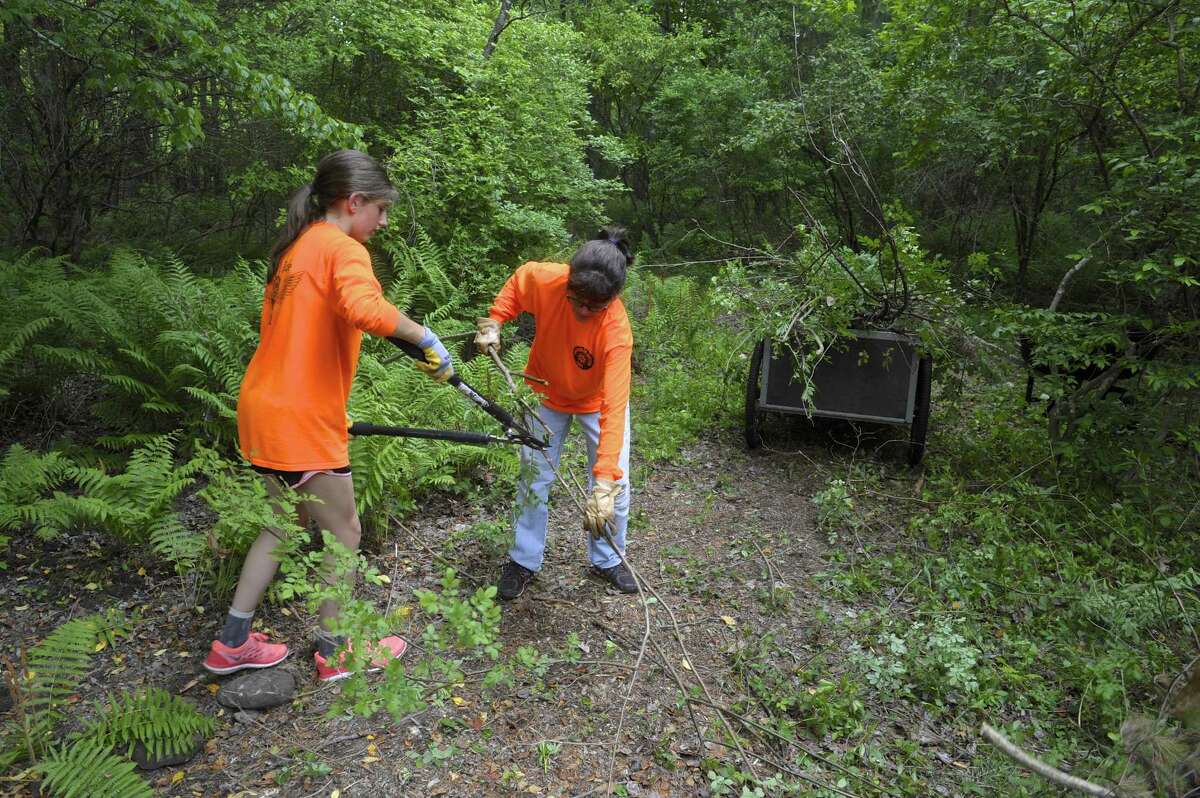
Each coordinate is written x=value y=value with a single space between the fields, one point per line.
x=527 y=376
x=1041 y=768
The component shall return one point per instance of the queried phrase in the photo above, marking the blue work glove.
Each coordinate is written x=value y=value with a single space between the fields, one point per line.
x=437 y=362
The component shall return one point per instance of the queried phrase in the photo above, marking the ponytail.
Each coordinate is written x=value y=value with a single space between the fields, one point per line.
x=303 y=208
x=339 y=174
x=599 y=267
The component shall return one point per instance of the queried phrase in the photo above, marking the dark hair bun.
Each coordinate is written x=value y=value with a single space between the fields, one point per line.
x=615 y=235
x=612 y=232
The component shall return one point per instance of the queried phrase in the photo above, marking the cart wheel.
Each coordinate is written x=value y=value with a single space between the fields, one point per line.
x=753 y=435
x=920 y=422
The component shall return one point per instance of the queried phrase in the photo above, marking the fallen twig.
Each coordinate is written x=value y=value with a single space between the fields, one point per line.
x=1039 y=767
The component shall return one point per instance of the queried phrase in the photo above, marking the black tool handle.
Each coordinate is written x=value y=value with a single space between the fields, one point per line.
x=479 y=438
x=493 y=410
x=410 y=349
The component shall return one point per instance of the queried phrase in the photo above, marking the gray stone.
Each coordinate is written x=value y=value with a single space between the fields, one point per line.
x=258 y=690
x=246 y=715
x=146 y=762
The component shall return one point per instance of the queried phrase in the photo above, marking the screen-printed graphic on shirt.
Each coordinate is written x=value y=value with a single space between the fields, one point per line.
x=583 y=358
x=280 y=287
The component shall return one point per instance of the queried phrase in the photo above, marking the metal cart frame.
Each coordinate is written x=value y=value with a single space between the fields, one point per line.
x=872 y=375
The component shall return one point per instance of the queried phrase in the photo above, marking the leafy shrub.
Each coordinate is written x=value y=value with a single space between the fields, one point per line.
x=818 y=293
x=682 y=354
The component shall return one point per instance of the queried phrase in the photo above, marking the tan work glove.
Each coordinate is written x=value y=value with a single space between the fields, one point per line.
x=601 y=505
x=487 y=337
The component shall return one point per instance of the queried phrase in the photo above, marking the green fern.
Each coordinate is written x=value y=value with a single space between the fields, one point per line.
x=51 y=672
x=168 y=346
x=24 y=320
x=163 y=724
x=25 y=479
x=421 y=283
x=169 y=538
x=49 y=494
x=394 y=469
x=18 y=340
x=89 y=769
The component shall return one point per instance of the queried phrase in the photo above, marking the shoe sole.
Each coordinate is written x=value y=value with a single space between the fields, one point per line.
x=245 y=666
x=337 y=677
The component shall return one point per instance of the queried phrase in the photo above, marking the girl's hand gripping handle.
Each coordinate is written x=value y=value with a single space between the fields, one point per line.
x=431 y=355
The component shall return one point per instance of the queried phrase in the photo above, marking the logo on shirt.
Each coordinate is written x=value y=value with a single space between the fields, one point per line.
x=583 y=358
x=281 y=286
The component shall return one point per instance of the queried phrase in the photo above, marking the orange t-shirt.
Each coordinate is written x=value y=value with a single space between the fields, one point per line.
x=585 y=362
x=292 y=406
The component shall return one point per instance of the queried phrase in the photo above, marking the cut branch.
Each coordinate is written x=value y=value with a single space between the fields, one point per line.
x=1039 y=767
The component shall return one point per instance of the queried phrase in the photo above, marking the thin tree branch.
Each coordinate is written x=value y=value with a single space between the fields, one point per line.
x=1039 y=767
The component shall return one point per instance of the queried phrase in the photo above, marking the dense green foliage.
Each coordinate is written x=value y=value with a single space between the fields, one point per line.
x=98 y=761
x=1017 y=182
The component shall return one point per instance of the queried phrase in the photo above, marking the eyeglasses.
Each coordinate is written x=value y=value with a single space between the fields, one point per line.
x=594 y=307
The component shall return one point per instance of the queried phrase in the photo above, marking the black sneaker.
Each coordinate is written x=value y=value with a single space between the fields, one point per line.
x=619 y=577
x=514 y=578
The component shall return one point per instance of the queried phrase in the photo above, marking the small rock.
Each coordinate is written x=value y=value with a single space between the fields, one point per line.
x=258 y=690
x=246 y=715
x=146 y=762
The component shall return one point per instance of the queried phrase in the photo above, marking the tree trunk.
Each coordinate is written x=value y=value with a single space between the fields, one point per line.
x=497 y=29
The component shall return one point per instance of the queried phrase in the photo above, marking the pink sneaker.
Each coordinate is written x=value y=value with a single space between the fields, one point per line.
x=386 y=650
x=256 y=652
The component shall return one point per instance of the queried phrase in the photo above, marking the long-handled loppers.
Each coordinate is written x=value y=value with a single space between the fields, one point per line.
x=514 y=431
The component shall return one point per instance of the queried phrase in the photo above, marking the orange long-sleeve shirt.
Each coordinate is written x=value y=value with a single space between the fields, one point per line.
x=587 y=363
x=292 y=405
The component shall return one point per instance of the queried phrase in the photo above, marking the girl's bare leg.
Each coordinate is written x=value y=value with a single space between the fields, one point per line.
x=259 y=568
x=336 y=513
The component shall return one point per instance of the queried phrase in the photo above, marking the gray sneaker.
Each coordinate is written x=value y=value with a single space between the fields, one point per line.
x=619 y=577
x=514 y=578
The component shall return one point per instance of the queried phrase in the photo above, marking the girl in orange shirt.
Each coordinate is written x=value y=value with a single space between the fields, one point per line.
x=321 y=296
x=582 y=348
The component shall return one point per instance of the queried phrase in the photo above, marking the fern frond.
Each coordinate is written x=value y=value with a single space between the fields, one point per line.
x=182 y=546
x=25 y=478
x=130 y=440
x=20 y=338
x=53 y=670
x=72 y=358
x=131 y=385
x=137 y=355
x=162 y=723
x=163 y=407
x=57 y=664
x=223 y=404
x=89 y=769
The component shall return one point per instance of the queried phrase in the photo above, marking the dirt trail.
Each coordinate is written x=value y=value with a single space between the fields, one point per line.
x=726 y=536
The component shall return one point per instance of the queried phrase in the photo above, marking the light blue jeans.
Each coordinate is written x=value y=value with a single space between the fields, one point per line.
x=533 y=492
